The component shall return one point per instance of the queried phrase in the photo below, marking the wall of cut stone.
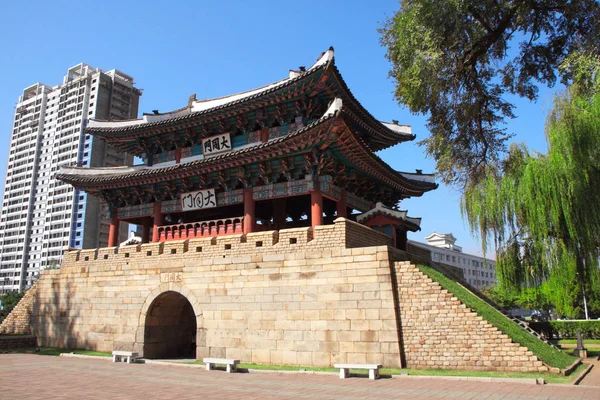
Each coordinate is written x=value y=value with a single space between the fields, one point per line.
x=18 y=321
x=271 y=298
x=15 y=342
x=274 y=297
x=440 y=332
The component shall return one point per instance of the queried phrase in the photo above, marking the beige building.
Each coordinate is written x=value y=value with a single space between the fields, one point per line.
x=479 y=272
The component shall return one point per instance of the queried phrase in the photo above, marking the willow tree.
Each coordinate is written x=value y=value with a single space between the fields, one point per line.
x=542 y=211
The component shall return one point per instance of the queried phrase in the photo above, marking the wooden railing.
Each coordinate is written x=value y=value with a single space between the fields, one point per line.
x=191 y=230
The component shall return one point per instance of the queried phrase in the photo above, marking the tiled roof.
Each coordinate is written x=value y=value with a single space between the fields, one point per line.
x=383 y=134
x=399 y=215
x=122 y=176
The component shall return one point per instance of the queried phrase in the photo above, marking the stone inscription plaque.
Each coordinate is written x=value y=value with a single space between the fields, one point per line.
x=166 y=277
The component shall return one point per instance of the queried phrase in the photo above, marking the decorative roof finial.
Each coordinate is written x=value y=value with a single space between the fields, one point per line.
x=191 y=100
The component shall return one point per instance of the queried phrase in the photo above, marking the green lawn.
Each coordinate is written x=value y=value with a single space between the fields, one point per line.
x=543 y=351
x=586 y=342
x=55 y=351
x=548 y=377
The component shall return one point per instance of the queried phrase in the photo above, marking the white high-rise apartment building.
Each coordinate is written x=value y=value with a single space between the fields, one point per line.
x=42 y=216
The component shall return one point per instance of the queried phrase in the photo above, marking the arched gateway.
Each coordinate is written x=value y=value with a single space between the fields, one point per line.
x=170 y=327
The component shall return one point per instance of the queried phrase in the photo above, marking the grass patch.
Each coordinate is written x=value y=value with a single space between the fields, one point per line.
x=585 y=341
x=543 y=351
x=276 y=367
x=56 y=351
x=549 y=377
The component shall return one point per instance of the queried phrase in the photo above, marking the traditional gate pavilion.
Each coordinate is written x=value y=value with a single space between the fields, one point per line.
x=232 y=193
x=298 y=152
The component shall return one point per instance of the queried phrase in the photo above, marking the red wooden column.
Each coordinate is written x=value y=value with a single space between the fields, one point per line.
x=279 y=213
x=400 y=239
x=316 y=208
x=342 y=207
x=146 y=229
x=158 y=220
x=249 y=211
x=178 y=152
x=113 y=232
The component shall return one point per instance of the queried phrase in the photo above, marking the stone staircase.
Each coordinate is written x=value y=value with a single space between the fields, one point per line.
x=460 y=280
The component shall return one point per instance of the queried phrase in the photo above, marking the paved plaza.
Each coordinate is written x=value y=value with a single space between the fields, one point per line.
x=24 y=376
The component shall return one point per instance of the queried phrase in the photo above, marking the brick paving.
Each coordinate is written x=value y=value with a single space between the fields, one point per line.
x=593 y=377
x=25 y=376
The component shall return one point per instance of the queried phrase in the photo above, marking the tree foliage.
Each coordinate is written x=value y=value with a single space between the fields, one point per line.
x=541 y=211
x=9 y=301
x=457 y=60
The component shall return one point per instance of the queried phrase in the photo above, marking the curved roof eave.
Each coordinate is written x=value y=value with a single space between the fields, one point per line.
x=200 y=107
x=87 y=177
x=386 y=134
x=399 y=215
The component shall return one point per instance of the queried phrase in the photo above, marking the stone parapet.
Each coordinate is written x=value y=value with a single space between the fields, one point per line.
x=342 y=234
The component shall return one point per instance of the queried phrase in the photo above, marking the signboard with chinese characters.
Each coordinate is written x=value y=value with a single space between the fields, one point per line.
x=216 y=144
x=198 y=200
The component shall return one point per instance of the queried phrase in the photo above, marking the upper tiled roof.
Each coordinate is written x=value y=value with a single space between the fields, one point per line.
x=205 y=106
x=123 y=176
x=382 y=134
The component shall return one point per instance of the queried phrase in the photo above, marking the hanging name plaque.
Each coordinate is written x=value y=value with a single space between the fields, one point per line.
x=216 y=144
x=198 y=200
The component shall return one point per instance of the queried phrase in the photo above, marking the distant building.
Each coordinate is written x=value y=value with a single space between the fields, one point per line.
x=477 y=271
x=40 y=215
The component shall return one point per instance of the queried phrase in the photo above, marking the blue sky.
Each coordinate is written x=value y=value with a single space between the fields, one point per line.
x=176 y=48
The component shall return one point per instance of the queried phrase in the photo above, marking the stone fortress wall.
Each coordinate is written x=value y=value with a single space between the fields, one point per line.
x=279 y=297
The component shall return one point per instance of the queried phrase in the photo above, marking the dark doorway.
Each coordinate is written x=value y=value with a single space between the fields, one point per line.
x=170 y=330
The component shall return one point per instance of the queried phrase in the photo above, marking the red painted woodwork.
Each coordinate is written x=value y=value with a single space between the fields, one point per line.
x=204 y=229
x=342 y=206
x=113 y=232
x=158 y=220
x=249 y=211
x=263 y=135
x=380 y=220
x=178 y=155
x=146 y=230
x=316 y=209
x=401 y=240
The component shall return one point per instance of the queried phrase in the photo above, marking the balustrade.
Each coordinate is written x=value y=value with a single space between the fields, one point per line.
x=191 y=230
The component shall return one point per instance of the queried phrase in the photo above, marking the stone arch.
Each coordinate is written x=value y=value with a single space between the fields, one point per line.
x=176 y=289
